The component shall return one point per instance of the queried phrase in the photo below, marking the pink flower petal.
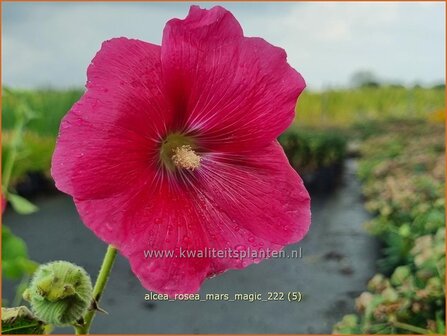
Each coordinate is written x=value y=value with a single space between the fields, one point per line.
x=239 y=92
x=107 y=138
x=257 y=200
x=124 y=79
x=157 y=218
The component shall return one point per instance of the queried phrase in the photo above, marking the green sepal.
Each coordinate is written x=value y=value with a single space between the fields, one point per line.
x=20 y=320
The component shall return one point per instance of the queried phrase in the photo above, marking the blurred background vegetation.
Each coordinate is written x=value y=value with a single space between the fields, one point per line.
x=397 y=135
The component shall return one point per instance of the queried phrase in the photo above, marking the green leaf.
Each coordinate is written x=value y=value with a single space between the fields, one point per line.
x=15 y=261
x=440 y=324
x=20 y=320
x=33 y=153
x=21 y=205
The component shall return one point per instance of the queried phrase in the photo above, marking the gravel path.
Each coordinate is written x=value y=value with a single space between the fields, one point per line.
x=338 y=258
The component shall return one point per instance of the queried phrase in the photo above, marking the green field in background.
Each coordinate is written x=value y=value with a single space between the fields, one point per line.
x=341 y=108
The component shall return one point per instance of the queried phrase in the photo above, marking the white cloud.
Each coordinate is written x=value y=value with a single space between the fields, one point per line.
x=327 y=42
x=52 y=43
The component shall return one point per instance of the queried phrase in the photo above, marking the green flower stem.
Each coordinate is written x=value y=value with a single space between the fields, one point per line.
x=409 y=327
x=100 y=284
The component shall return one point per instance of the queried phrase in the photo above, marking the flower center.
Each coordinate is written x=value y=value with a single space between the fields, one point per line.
x=177 y=151
x=185 y=157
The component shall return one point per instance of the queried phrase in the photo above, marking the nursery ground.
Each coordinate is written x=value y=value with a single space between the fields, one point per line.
x=337 y=260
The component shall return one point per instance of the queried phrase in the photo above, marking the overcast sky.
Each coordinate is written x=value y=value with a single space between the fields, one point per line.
x=51 y=44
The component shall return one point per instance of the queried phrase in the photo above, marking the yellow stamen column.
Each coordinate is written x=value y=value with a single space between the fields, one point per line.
x=185 y=157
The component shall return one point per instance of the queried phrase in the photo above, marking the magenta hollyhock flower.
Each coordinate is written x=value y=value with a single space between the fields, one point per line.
x=173 y=148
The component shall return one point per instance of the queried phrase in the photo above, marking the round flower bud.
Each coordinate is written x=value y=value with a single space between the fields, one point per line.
x=434 y=287
x=405 y=230
x=364 y=301
x=390 y=295
x=400 y=274
x=378 y=283
x=59 y=293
